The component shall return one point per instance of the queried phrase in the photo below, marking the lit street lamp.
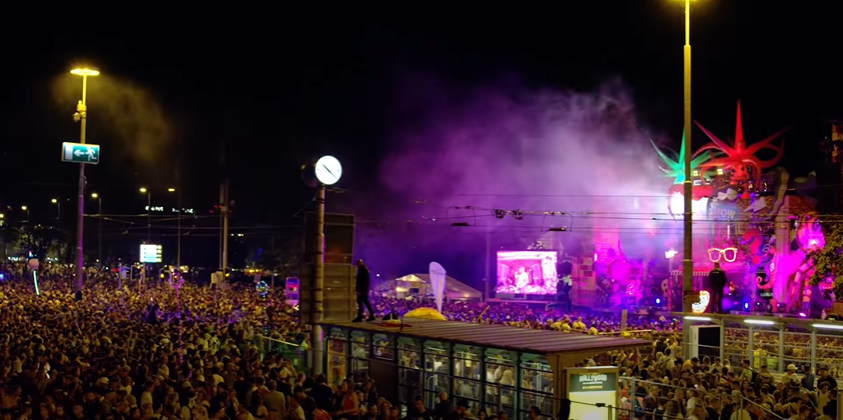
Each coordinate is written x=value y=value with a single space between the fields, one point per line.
x=81 y=116
x=97 y=197
x=148 y=192
x=26 y=209
x=58 y=210
x=144 y=190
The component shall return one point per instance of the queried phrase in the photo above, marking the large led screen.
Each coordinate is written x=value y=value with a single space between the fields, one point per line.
x=527 y=272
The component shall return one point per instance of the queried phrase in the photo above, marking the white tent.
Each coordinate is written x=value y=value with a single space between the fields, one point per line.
x=418 y=285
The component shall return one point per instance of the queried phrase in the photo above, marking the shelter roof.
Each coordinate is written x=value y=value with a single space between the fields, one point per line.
x=543 y=342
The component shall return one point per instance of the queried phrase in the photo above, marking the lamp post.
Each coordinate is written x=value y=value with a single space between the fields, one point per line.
x=97 y=197
x=687 y=260
x=148 y=192
x=144 y=190
x=26 y=209
x=178 y=229
x=81 y=116
x=58 y=210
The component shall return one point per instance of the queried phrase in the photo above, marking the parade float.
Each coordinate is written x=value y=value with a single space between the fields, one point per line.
x=759 y=224
x=750 y=216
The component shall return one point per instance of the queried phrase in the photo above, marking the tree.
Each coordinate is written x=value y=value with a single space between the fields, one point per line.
x=828 y=260
x=41 y=241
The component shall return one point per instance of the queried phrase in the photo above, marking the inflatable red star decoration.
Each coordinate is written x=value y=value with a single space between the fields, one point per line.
x=740 y=158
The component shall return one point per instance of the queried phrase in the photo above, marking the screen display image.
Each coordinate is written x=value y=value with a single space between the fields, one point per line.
x=150 y=254
x=527 y=272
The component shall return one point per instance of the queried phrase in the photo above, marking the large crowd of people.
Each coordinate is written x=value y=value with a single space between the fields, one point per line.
x=184 y=352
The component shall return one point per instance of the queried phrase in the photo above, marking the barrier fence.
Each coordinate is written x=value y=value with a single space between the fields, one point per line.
x=779 y=346
x=638 y=389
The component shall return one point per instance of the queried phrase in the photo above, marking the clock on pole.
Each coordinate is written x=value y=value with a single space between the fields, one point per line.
x=326 y=171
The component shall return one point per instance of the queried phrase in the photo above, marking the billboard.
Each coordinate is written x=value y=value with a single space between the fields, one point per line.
x=593 y=389
x=527 y=272
x=150 y=254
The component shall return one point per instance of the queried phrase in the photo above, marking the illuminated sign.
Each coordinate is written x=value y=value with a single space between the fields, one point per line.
x=593 y=389
x=150 y=253
x=727 y=254
x=160 y=209
x=593 y=382
x=702 y=305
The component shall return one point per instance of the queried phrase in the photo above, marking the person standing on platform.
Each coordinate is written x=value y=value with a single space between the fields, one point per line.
x=363 y=282
x=717 y=279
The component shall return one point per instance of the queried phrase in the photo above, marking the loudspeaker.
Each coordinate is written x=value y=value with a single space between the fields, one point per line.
x=339 y=237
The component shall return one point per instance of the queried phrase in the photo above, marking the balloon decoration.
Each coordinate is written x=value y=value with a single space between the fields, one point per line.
x=675 y=168
x=262 y=288
x=740 y=159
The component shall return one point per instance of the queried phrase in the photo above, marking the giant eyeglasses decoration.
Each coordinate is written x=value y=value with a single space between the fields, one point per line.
x=726 y=254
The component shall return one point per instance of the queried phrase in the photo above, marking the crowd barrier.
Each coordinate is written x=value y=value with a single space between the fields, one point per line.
x=636 y=388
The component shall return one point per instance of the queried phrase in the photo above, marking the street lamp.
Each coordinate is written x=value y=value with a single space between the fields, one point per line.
x=26 y=209
x=144 y=190
x=178 y=229
x=81 y=116
x=58 y=210
x=97 y=197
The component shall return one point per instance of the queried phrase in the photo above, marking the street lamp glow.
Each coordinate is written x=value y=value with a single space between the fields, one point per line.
x=54 y=201
x=2 y=216
x=84 y=71
x=171 y=189
x=143 y=190
x=23 y=208
x=95 y=195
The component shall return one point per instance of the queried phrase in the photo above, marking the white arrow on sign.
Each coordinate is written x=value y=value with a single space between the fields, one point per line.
x=89 y=152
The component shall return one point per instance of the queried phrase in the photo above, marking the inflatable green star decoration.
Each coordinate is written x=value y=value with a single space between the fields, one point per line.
x=675 y=168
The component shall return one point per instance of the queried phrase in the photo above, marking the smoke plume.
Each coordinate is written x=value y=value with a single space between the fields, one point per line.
x=513 y=147
x=124 y=118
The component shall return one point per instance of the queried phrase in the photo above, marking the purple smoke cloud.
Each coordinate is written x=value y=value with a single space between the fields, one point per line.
x=508 y=140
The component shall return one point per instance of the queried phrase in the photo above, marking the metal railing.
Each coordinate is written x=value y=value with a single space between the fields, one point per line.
x=636 y=396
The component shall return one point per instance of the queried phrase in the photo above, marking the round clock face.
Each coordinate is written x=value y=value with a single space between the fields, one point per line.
x=328 y=170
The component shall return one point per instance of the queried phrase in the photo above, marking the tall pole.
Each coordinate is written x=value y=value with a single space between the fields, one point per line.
x=99 y=201
x=222 y=215
x=316 y=309
x=149 y=216
x=687 y=260
x=488 y=281
x=178 y=232
x=225 y=211
x=82 y=109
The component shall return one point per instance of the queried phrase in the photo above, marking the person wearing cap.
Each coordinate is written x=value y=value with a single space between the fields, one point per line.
x=790 y=378
x=459 y=411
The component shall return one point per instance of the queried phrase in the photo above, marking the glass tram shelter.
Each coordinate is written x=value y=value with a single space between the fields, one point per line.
x=494 y=367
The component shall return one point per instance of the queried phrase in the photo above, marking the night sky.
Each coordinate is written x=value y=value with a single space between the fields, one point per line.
x=278 y=85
